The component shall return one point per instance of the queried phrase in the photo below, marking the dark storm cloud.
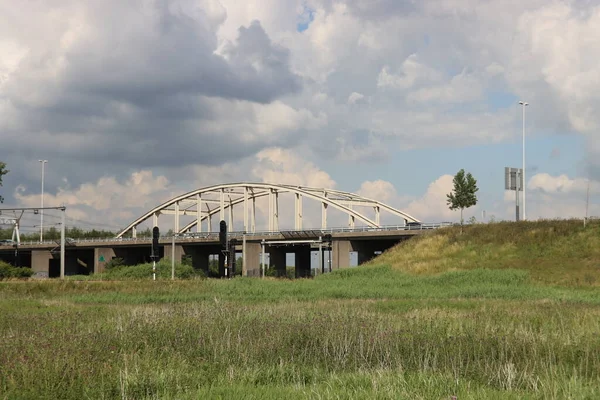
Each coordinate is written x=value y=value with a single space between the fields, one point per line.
x=179 y=60
x=134 y=90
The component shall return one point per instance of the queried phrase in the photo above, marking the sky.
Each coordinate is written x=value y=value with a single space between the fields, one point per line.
x=135 y=102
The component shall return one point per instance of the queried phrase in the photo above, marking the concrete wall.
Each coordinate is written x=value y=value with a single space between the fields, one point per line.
x=102 y=255
x=40 y=262
x=340 y=254
x=252 y=259
x=179 y=252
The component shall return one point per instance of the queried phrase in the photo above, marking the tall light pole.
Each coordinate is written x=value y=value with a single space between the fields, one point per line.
x=42 y=206
x=523 y=105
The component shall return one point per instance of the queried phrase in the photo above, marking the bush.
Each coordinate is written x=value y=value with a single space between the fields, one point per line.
x=144 y=271
x=290 y=272
x=8 y=271
x=115 y=263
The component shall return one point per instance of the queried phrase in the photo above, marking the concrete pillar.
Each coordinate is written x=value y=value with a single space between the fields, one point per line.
x=340 y=254
x=102 y=255
x=40 y=263
x=303 y=262
x=179 y=252
x=277 y=256
x=252 y=260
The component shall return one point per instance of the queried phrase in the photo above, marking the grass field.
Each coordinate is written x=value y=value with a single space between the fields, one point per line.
x=508 y=311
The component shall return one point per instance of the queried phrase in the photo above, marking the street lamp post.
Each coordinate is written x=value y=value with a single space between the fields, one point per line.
x=523 y=105
x=42 y=205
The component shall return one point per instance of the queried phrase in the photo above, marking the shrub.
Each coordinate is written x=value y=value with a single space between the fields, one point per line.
x=115 y=263
x=8 y=271
x=290 y=272
x=144 y=271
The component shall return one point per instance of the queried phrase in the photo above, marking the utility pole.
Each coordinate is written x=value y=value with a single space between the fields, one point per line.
x=524 y=104
x=587 y=202
x=42 y=203
x=173 y=257
x=62 y=245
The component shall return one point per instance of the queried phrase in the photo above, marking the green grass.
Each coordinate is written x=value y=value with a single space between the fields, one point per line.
x=383 y=331
x=553 y=252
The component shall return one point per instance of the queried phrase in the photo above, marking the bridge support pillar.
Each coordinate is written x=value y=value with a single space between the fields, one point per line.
x=303 y=262
x=251 y=266
x=340 y=254
x=277 y=256
x=179 y=252
x=102 y=255
x=40 y=262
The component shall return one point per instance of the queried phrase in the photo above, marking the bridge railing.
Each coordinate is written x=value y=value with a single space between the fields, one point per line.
x=215 y=235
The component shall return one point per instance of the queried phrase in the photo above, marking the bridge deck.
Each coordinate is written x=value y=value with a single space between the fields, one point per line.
x=213 y=237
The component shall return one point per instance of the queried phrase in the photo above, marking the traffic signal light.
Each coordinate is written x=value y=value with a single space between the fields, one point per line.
x=155 y=235
x=223 y=234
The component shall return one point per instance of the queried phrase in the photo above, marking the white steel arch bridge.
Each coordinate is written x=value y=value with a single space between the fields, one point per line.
x=220 y=200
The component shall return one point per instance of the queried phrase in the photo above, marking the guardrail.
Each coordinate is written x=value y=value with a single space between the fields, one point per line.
x=215 y=235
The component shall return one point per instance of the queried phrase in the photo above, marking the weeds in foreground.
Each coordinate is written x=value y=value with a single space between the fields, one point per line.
x=230 y=338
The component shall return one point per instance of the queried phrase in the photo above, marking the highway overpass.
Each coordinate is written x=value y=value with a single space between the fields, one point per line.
x=86 y=256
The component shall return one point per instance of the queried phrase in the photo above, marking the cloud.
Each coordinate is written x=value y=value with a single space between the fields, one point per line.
x=381 y=190
x=462 y=88
x=561 y=184
x=106 y=201
x=432 y=206
x=560 y=196
x=554 y=68
x=147 y=90
x=355 y=98
x=412 y=72
x=276 y=165
x=176 y=87
x=428 y=207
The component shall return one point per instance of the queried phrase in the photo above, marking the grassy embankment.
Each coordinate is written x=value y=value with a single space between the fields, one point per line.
x=501 y=311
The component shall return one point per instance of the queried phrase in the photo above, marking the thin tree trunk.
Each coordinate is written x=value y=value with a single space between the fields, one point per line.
x=461 y=221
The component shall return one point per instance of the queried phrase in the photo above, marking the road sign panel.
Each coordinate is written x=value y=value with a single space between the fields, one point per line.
x=510 y=178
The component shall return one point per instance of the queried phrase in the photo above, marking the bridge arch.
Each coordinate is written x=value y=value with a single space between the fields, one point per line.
x=220 y=199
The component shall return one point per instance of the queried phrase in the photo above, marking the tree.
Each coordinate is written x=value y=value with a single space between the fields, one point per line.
x=463 y=195
x=3 y=171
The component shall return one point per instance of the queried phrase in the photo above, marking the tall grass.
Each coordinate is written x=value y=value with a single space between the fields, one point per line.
x=411 y=328
x=554 y=252
x=64 y=350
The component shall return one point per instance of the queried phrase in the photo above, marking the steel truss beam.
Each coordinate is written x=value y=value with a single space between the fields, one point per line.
x=191 y=204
